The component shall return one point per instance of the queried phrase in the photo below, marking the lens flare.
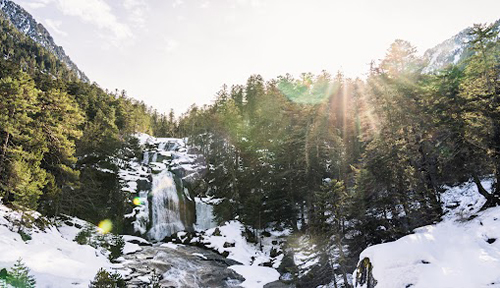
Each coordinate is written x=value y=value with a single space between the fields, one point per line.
x=137 y=201
x=105 y=226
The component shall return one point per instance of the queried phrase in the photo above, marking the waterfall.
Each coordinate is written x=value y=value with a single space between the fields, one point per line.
x=145 y=157
x=165 y=212
x=204 y=215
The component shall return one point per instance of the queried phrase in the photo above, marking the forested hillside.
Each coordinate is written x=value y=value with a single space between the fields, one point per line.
x=58 y=134
x=353 y=162
x=344 y=163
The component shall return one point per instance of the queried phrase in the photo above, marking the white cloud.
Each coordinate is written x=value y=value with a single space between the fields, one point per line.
x=96 y=12
x=55 y=26
x=252 y=3
x=170 y=45
x=205 y=4
x=138 y=10
x=177 y=3
x=36 y=4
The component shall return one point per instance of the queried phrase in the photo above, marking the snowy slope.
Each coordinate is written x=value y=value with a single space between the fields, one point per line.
x=54 y=259
x=461 y=251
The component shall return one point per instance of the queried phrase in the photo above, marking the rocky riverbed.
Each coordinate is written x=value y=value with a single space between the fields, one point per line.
x=181 y=267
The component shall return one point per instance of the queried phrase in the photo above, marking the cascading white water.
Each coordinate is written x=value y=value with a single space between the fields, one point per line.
x=165 y=215
x=204 y=215
x=145 y=157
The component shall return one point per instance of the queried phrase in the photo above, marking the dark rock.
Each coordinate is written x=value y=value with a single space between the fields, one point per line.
x=278 y=284
x=78 y=226
x=266 y=234
x=225 y=254
x=140 y=243
x=69 y=223
x=274 y=252
x=144 y=185
x=491 y=240
x=268 y=264
x=217 y=232
x=250 y=236
x=228 y=245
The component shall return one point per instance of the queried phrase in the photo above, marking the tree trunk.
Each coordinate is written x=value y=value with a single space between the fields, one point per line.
x=342 y=260
x=4 y=151
x=492 y=199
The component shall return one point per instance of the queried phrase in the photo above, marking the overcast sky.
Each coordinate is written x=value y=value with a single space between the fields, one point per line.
x=172 y=53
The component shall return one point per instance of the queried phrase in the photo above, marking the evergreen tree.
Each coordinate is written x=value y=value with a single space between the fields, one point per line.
x=104 y=279
x=19 y=276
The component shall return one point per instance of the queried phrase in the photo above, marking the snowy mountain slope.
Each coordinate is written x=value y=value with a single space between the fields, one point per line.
x=461 y=251
x=450 y=51
x=26 y=24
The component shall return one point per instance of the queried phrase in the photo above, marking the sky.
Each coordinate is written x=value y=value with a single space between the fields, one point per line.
x=173 y=53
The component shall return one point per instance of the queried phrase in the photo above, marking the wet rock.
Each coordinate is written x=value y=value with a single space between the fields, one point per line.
x=140 y=243
x=182 y=267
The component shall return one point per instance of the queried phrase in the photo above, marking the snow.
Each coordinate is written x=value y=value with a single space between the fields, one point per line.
x=231 y=232
x=250 y=255
x=256 y=276
x=54 y=258
x=170 y=245
x=130 y=238
x=199 y=255
x=130 y=248
x=462 y=201
x=460 y=251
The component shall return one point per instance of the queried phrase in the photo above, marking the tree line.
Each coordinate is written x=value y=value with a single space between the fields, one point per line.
x=354 y=162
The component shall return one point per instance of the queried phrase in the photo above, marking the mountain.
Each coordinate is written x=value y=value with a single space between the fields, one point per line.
x=26 y=24
x=450 y=51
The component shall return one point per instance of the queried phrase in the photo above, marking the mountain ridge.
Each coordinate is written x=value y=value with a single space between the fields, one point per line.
x=24 y=22
x=450 y=51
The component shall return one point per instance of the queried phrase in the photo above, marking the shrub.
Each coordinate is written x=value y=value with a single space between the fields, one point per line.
x=104 y=279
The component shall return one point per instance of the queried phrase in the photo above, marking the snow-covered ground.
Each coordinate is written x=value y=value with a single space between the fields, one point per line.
x=255 y=276
x=462 y=251
x=54 y=259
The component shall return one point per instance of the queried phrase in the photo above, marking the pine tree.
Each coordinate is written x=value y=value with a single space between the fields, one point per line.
x=104 y=279
x=19 y=277
x=481 y=90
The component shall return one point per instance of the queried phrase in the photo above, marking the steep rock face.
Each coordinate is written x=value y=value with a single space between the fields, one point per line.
x=450 y=51
x=25 y=23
